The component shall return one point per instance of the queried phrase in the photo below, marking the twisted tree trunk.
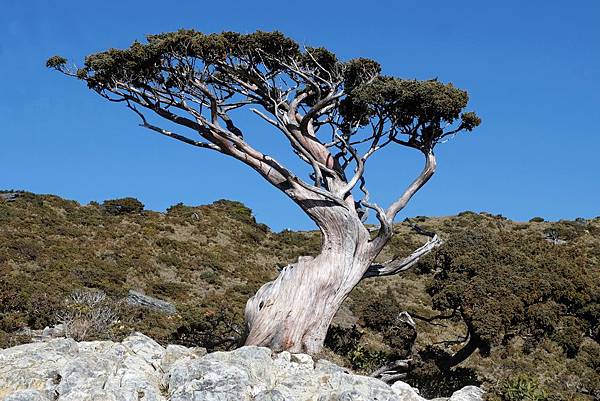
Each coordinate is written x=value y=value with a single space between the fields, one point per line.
x=294 y=311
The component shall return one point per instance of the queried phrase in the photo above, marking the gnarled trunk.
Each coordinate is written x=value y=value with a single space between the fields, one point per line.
x=294 y=311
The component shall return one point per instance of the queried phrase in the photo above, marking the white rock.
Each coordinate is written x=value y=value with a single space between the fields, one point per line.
x=26 y=395
x=468 y=393
x=175 y=352
x=406 y=392
x=140 y=369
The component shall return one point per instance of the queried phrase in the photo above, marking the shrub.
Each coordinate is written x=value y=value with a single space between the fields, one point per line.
x=346 y=341
x=382 y=314
x=536 y=219
x=170 y=289
x=521 y=388
x=123 y=206
x=214 y=328
x=426 y=375
x=87 y=314
x=508 y=284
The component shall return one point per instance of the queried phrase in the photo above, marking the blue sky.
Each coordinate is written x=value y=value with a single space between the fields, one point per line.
x=532 y=70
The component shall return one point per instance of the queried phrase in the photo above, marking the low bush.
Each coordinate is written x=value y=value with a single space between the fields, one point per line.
x=519 y=388
x=122 y=206
x=88 y=314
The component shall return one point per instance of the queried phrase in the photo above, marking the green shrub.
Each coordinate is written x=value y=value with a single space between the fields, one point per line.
x=214 y=328
x=169 y=289
x=123 y=206
x=521 y=388
x=88 y=314
x=536 y=220
x=432 y=381
x=346 y=341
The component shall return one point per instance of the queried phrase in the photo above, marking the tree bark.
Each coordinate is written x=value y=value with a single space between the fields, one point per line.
x=294 y=311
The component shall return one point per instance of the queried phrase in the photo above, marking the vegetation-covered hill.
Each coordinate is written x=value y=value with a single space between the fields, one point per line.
x=520 y=299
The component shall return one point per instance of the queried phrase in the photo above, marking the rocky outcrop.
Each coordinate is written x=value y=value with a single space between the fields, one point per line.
x=139 y=369
x=9 y=196
x=138 y=299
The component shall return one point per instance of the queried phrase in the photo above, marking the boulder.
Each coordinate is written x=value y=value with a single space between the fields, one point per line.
x=138 y=299
x=468 y=393
x=9 y=196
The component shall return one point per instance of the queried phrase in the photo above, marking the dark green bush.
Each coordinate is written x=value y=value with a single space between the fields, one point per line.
x=123 y=206
x=431 y=380
x=216 y=329
x=346 y=341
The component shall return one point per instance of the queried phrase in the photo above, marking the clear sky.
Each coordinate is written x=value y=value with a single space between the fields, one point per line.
x=532 y=69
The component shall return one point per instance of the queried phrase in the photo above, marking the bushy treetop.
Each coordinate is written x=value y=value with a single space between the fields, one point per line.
x=259 y=63
x=506 y=284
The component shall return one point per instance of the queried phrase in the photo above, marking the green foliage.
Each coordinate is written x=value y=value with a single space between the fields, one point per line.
x=406 y=102
x=536 y=220
x=347 y=342
x=358 y=71
x=517 y=290
x=50 y=247
x=381 y=314
x=56 y=62
x=168 y=289
x=419 y=109
x=506 y=283
x=521 y=388
x=123 y=206
x=142 y=62
x=433 y=381
x=214 y=328
x=566 y=230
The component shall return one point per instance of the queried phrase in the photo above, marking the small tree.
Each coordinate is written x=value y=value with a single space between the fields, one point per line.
x=335 y=115
x=123 y=206
x=508 y=284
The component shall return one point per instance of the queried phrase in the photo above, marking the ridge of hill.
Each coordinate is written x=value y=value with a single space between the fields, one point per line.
x=208 y=260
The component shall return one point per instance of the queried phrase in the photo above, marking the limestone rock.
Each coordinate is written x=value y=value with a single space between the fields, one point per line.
x=406 y=392
x=140 y=369
x=26 y=395
x=146 y=301
x=468 y=393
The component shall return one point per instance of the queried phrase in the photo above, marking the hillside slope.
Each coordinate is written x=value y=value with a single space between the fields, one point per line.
x=207 y=260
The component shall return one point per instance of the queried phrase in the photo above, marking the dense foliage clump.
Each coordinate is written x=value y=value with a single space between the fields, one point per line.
x=505 y=284
x=123 y=206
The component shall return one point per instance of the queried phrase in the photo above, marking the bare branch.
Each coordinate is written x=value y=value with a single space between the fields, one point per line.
x=181 y=137
x=396 y=266
x=426 y=174
x=393 y=371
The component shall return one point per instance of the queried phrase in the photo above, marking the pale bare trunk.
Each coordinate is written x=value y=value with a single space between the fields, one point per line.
x=294 y=311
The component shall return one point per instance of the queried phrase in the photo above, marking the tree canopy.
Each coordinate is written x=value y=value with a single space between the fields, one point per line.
x=506 y=284
x=335 y=114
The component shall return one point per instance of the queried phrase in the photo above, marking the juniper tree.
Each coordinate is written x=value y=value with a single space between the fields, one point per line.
x=335 y=115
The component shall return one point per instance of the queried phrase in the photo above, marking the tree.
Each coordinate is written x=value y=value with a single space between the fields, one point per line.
x=506 y=284
x=123 y=206
x=335 y=115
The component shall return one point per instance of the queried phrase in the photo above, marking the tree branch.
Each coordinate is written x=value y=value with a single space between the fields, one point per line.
x=396 y=266
x=462 y=354
x=392 y=371
x=426 y=174
x=181 y=137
